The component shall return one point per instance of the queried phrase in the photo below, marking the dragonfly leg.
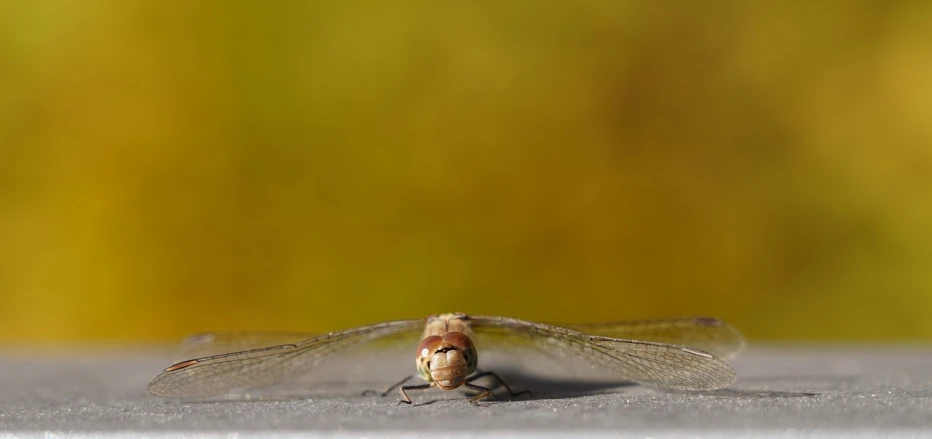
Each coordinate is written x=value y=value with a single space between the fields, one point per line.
x=404 y=396
x=388 y=389
x=500 y=381
x=484 y=393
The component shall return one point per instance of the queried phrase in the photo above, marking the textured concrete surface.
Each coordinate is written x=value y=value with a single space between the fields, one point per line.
x=783 y=391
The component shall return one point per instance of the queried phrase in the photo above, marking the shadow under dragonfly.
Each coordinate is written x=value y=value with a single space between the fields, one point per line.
x=543 y=387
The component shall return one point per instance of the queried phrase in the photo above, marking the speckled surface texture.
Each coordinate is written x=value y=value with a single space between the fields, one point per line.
x=792 y=391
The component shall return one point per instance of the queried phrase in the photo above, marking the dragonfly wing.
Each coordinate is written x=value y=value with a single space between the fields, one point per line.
x=650 y=363
x=207 y=344
x=708 y=334
x=225 y=373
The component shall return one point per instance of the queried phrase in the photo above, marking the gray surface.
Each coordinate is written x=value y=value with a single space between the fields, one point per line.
x=782 y=391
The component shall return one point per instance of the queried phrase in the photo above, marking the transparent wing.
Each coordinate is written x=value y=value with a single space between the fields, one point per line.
x=224 y=373
x=654 y=364
x=704 y=333
x=207 y=344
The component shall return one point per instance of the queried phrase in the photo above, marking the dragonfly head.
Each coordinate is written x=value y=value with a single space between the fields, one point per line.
x=447 y=360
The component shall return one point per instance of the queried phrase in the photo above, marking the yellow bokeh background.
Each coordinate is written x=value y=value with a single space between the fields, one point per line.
x=168 y=167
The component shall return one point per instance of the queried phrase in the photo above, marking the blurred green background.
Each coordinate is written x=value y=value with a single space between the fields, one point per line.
x=169 y=167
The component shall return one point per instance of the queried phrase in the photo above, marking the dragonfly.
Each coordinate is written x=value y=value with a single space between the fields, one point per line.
x=677 y=354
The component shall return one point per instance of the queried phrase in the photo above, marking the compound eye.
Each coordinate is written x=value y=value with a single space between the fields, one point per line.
x=459 y=340
x=428 y=346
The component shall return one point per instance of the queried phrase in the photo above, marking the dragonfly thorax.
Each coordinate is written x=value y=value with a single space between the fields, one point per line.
x=446 y=360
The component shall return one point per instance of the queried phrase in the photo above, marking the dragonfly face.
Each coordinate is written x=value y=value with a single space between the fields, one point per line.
x=446 y=360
